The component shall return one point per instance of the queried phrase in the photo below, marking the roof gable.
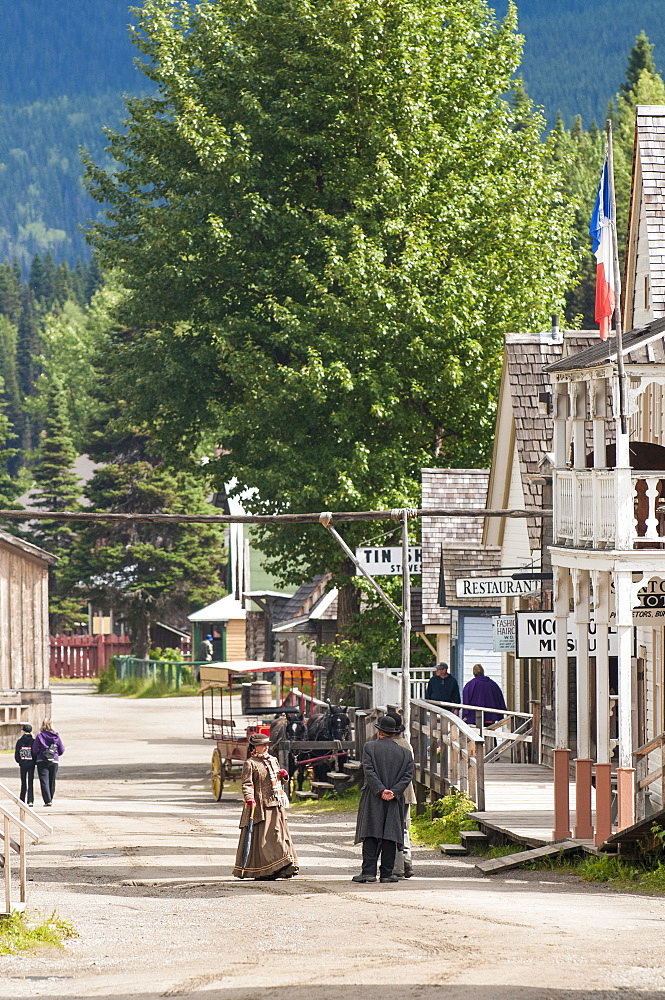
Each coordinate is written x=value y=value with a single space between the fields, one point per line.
x=521 y=425
x=645 y=257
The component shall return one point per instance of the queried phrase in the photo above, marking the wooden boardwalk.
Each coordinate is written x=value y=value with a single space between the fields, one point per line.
x=519 y=803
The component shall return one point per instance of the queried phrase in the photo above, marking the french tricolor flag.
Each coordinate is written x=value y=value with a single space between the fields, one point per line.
x=602 y=236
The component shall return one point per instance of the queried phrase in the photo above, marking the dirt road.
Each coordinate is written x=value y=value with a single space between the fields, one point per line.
x=140 y=862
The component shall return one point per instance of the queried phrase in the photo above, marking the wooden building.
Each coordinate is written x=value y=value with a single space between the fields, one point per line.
x=24 y=637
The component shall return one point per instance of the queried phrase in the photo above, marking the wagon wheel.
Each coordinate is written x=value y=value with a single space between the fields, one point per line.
x=217 y=775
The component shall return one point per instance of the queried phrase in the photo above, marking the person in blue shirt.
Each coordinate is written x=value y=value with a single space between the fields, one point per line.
x=442 y=686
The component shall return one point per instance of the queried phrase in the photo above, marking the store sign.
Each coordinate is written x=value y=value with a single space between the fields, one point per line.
x=503 y=634
x=387 y=560
x=535 y=635
x=495 y=586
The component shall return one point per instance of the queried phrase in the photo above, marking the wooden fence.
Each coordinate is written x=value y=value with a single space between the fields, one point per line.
x=85 y=655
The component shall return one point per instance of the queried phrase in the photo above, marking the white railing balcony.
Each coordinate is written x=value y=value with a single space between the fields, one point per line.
x=609 y=508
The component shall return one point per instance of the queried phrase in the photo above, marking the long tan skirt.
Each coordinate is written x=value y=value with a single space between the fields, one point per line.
x=271 y=850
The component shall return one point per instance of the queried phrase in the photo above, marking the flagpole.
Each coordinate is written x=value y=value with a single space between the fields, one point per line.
x=617 y=285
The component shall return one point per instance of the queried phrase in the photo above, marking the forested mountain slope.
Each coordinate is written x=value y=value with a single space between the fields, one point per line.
x=63 y=70
x=65 y=66
x=575 y=51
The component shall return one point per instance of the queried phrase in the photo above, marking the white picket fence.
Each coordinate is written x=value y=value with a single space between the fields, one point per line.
x=387 y=685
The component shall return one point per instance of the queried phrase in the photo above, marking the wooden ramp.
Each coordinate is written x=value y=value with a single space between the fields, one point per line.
x=494 y=865
x=519 y=803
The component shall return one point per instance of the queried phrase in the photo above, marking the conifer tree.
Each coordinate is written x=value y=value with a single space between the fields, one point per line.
x=640 y=58
x=11 y=393
x=28 y=342
x=57 y=485
x=10 y=486
x=57 y=488
x=10 y=291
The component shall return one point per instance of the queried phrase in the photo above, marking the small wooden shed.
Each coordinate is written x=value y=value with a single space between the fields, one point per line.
x=225 y=621
x=24 y=637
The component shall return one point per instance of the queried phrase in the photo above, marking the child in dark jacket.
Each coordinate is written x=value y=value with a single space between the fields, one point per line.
x=47 y=749
x=26 y=762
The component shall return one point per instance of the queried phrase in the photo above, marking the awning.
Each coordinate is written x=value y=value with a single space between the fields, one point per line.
x=217 y=674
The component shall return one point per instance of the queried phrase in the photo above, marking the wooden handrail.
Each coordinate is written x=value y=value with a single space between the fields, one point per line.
x=477 y=708
x=653 y=744
x=644 y=777
x=448 y=753
x=7 y=820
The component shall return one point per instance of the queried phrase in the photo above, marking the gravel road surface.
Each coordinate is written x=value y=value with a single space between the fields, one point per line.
x=140 y=862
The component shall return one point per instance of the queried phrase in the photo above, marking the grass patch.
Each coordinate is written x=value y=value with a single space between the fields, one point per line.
x=137 y=687
x=500 y=851
x=443 y=820
x=640 y=876
x=346 y=801
x=17 y=933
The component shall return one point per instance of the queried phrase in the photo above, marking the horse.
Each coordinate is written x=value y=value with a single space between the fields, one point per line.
x=333 y=724
x=289 y=728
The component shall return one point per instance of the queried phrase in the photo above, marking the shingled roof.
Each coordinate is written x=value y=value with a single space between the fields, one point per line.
x=527 y=360
x=650 y=155
x=640 y=347
x=454 y=541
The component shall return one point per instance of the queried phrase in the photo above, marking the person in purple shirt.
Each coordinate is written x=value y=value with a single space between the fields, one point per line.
x=483 y=692
x=47 y=749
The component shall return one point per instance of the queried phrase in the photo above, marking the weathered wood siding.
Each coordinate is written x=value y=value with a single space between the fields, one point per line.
x=24 y=661
x=236 y=648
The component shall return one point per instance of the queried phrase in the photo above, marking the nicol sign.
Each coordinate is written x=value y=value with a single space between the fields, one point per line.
x=535 y=635
x=387 y=561
x=495 y=586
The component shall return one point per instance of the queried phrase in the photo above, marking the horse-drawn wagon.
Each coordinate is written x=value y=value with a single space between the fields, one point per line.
x=320 y=742
x=229 y=728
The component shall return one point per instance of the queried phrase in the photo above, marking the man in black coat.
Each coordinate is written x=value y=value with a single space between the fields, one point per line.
x=388 y=770
x=442 y=686
x=26 y=762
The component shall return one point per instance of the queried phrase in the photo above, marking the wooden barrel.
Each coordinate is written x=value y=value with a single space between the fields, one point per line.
x=260 y=694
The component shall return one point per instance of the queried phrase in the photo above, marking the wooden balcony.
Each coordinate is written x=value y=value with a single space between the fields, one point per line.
x=609 y=508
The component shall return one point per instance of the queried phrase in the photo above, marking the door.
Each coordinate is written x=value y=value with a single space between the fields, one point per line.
x=476 y=643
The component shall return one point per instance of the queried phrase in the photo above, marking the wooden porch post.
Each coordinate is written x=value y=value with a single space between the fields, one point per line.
x=582 y=617
x=601 y=604
x=561 y=605
x=625 y=772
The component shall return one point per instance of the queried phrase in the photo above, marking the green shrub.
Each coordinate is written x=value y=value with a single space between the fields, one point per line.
x=592 y=869
x=17 y=933
x=107 y=678
x=442 y=820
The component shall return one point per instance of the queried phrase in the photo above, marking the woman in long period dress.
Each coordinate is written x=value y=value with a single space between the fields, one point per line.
x=271 y=854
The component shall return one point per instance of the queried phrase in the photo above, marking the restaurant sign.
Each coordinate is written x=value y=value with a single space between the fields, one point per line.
x=495 y=586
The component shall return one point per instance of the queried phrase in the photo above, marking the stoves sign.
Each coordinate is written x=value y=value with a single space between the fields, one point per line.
x=495 y=586
x=387 y=560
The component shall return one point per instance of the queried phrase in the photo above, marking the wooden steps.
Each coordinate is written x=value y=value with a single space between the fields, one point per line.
x=304 y=795
x=491 y=867
x=353 y=765
x=454 y=850
x=469 y=837
x=322 y=786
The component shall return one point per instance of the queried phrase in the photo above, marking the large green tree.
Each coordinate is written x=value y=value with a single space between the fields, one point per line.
x=326 y=219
